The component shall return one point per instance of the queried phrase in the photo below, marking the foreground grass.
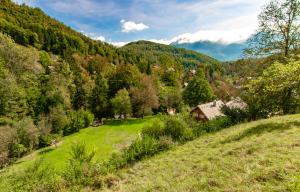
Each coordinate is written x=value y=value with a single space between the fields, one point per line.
x=104 y=140
x=257 y=156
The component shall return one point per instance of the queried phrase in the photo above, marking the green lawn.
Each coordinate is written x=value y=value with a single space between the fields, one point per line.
x=257 y=156
x=104 y=139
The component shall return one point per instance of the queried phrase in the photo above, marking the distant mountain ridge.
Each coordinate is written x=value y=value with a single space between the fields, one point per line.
x=220 y=51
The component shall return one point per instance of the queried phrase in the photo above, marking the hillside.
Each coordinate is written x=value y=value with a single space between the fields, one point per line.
x=31 y=26
x=155 y=53
x=256 y=156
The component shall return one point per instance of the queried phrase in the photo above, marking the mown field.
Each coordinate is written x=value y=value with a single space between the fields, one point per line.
x=256 y=156
x=103 y=139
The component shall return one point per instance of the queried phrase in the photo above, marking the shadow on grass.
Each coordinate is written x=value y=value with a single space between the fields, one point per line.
x=261 y=129
x=45 y=151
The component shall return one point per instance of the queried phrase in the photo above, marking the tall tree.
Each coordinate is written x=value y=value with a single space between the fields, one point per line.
x=278 y=88
x=198 y=90
x=278 y=29
x=144 y=97
x=121 y=103
x=99 y=100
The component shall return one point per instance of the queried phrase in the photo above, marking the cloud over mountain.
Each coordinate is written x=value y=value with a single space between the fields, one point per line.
x=130 y=26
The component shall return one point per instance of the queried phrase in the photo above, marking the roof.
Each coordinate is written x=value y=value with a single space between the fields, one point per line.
x=212 y=110
x=236 y=103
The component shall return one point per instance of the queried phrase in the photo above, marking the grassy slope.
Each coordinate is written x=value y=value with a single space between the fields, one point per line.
x=257 y=156
x=104 y=139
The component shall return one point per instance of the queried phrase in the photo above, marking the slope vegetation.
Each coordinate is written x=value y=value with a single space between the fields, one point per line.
x=257 y=156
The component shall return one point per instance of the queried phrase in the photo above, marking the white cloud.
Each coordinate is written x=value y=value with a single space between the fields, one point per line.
x=118 y=44
x=99 y=38
x=93 y=36
x=222 y=36
x=130 y=26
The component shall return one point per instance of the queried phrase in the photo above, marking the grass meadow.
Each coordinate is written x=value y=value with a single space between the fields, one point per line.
x=104 y=140
x=257 y=156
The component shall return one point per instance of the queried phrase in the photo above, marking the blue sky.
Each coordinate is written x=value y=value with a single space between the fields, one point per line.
x=164 y=21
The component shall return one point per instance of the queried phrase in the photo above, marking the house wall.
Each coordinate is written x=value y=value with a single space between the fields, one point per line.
x=199 y=115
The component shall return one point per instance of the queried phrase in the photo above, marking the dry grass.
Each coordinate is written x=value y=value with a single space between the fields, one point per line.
x=257 y=156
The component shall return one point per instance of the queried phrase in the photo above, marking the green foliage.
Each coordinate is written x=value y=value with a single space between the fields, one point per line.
x=144 y=97
x=278 y=30
x=121 y=103
x=28 y=26
x=198 y=91
x=141 y=148
x=155 y=130
x=80 y=168
x=99 y=98
x=77 y=121
x=58 y=120
x=36 y=177
x=88 y=118
x=212 y=126
x=170 y=97
x=278 y=88
x=26 y=138
x=177 y=129
x=236 y=115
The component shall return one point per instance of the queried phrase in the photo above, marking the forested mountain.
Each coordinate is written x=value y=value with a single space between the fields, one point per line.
x=31 y=26
x=221 y=51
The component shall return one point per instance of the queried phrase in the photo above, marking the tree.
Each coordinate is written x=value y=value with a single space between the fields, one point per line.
x=198 y=90
x=144 y=97
x=99 y=100
x=171 y=97
x=121 y=103
x=278 y=88
x=278 y=29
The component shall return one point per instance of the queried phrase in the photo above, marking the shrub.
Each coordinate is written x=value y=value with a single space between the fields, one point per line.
x=236 y=115
x=59 y=120
x=212 y=126
x=88 y=118
x=45 y=140
x=76 y=122
x=26 y=138
x=80 y=168
x=154 y=131
x=177 y=129
x=36 y=177
x=16 y=150
x=139 y=149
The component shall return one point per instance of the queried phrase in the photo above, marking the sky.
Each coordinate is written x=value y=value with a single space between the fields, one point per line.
x=164 y=21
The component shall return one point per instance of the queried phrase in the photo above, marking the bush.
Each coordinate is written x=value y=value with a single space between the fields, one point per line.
x=154 y=131
x=212 y=126
x=80 y=168
x=88 y=118
x=76 y=122
x=236 y=115
x=26 y=138
x=177 y=129
x=46 y=140
x=59 y=120
x=36 y=177
x=16 y=150
x=138 y=150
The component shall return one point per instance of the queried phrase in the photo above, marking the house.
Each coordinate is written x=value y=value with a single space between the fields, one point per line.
x=236 y=103
x=208 y=111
